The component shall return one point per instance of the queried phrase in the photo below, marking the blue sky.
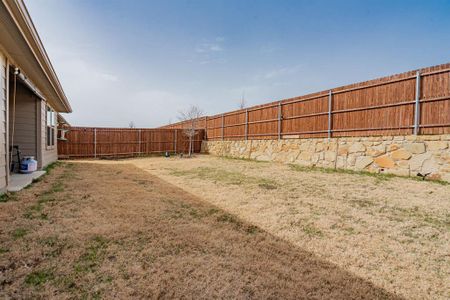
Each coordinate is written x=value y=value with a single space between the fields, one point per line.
x=143 y=61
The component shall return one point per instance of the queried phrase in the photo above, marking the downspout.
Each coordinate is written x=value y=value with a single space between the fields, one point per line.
x=7 y=169
x=16 y=72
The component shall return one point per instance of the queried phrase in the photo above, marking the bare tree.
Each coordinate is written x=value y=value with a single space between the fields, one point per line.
x=190 y=119
x=131 y=124
x=242 y=102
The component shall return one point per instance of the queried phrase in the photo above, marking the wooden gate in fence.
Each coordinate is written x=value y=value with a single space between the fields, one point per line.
x=85 y=142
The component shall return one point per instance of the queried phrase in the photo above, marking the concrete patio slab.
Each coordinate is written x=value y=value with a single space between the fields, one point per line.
x=19 y=181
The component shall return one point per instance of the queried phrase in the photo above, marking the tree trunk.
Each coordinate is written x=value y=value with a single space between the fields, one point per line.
x=190 y=146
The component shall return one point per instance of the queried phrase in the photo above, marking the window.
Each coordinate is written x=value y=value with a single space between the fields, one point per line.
x=50 y=117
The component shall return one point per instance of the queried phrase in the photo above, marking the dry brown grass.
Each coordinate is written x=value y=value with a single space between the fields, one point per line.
x=393 y=232
x=115 y=231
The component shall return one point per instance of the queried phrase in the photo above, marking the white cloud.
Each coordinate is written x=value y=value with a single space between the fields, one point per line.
x=157 y=97
x=268 y=49
x=78 y=71
x=279 y=72
x=209 y=52
x=107 y=77
x=208 y=47
x=153 y=107
x=215 y=48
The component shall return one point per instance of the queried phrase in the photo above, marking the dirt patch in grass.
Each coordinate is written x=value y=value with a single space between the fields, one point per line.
x=391 y=231
x=221 y=176
x=115 y=231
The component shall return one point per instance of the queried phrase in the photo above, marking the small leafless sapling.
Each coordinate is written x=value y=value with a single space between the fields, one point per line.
x=190 y=119
x=242 y=102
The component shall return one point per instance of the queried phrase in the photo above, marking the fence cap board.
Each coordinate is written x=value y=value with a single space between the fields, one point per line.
x=427 y=71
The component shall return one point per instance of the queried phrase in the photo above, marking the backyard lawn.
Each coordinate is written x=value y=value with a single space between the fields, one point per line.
x=210 y=227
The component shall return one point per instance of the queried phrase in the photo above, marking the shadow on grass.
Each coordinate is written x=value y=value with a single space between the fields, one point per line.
x=238 y=258
x=202 y=251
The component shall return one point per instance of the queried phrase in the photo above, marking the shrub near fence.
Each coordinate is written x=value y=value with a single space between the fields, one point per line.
x=83 y=142
x=412 y=102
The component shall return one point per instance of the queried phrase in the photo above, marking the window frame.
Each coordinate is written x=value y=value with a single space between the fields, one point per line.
x=50 y=127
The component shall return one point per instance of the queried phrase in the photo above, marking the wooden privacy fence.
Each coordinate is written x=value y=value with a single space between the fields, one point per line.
x=118 y=142
x=415 y=102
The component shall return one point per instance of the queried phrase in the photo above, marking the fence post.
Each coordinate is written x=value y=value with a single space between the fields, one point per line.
x=246 y=124
x=95 y=142
x=417 y=105
x=222 y=127
x=206 y=128
x=330 y=97
x=175 y=141
x=279 y=120
x=140 y=138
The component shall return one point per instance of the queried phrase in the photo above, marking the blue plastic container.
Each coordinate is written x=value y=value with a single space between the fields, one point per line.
x=28 y=165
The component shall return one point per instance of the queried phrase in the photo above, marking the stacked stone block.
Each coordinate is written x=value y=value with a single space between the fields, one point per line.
x=399 y=155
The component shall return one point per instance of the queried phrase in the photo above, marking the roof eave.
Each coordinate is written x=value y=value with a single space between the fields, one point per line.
x=22 y=19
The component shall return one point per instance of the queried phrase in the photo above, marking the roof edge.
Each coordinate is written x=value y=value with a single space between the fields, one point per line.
x=24 y=23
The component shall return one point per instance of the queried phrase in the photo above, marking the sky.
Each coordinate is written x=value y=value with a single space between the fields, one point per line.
x=123 y=61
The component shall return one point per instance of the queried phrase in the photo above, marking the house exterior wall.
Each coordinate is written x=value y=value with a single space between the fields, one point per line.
x=25 y=120
x=30 y=125
x=21 y=47
x=48 y=154
x=3 y=119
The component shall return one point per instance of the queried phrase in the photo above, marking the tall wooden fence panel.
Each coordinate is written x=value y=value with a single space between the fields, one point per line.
x=84 y=142
x=415 y=102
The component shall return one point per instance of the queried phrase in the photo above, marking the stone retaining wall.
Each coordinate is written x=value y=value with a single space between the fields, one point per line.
x=400 y=155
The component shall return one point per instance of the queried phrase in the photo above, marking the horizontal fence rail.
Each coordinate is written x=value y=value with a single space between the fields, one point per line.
x=415 y=102
x=86 y=142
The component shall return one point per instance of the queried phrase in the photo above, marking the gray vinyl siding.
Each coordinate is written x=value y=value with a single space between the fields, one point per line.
x=3 y=99
x=25 y=121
